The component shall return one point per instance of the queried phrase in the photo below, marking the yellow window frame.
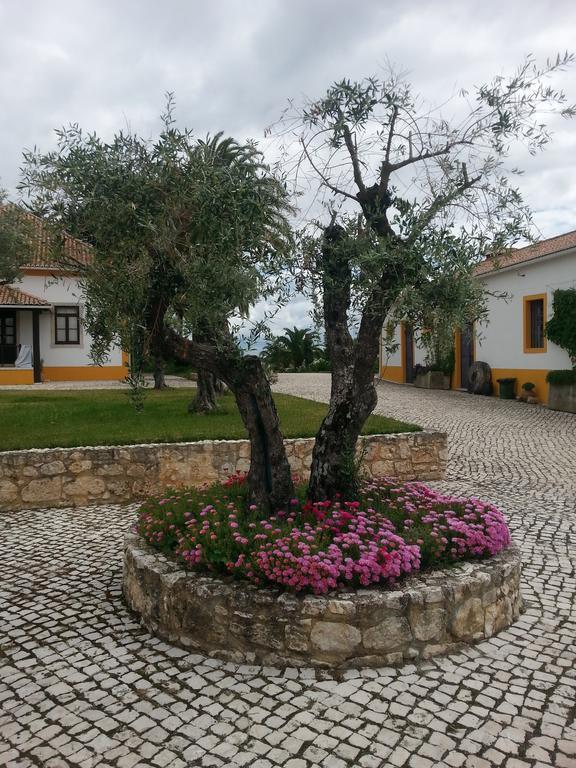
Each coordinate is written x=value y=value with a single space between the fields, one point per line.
x=526 y=314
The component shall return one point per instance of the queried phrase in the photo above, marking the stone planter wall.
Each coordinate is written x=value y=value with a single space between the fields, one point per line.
x=422 y=617
x=432 y=380
x=562 y=397
x=64 y=477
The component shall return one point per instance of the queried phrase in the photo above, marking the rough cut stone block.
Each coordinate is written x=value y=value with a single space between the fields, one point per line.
x=387 y=635
x=331 y=638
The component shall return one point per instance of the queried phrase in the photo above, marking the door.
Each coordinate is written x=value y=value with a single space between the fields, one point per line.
x=409 y=354
x=8 y=351
x=466 y=353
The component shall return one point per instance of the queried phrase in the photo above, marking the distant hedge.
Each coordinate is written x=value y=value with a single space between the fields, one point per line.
x=561 y=377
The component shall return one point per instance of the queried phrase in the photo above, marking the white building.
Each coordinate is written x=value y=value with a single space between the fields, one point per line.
x=512 y=340
x=42 y=337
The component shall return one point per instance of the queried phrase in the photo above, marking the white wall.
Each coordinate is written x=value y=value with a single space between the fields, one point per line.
x=395 y=358
x=390 y=358
x=58 y=291
x=500 y=343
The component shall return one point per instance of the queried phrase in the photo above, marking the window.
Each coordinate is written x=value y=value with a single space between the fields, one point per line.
x=534 y=323
x=8 y=350
x=67 y=325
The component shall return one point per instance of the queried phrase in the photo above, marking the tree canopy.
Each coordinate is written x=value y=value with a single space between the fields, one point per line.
x=180 y=227
x=412 y=194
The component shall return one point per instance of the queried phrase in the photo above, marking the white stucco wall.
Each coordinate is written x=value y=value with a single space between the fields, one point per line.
x=395 y=358
x=500 y=342
x=390 y=358
x=64 y=291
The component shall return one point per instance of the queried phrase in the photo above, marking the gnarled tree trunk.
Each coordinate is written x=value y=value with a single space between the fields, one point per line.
x=353 y=394
x=205 y=400
x=269 y=477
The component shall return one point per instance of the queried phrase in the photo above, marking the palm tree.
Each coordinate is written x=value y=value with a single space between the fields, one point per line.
x=297 y=349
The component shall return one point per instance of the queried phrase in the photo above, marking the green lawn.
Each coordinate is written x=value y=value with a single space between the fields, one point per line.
x=105 y=417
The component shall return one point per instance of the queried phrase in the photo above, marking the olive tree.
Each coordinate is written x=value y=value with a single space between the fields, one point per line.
x=179 y=227
x=400 y=179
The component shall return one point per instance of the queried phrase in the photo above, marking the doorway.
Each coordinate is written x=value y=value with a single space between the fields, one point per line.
x=466 y=353
x=409 y=354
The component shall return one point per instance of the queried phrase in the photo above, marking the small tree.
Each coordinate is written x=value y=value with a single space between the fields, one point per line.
x=449 y=300
x=417 y=179
x=179 y=227
x=561 y=328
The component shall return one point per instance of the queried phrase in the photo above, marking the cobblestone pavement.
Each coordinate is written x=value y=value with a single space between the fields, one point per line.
x=81 y=684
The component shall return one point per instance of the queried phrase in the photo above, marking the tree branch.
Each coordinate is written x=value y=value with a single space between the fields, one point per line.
x=440 y=202
x=323 y=178
x=352 y=151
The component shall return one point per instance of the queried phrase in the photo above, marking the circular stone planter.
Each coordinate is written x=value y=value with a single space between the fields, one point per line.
x=421 y=617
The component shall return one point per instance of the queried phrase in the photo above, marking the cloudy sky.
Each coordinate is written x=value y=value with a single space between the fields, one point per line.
x=232 y=65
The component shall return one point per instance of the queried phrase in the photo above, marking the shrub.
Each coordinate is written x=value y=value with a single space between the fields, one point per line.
x=528 y=386
x=561 y=377
x=389 y=531
x=561 y=328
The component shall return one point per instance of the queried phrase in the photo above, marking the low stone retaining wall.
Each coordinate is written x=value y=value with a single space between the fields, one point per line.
x=423 y=616
x=64 y=477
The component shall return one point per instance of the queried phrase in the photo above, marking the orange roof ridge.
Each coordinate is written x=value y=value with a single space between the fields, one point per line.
x=75 y=251
x=14 y=297
x=513 y=256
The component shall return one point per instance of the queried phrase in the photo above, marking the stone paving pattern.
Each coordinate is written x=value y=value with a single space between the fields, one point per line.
x=82 y=684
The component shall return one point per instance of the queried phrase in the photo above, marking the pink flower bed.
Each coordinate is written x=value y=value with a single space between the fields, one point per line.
x=390 y=531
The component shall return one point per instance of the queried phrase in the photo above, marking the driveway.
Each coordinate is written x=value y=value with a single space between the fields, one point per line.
x=81 y=683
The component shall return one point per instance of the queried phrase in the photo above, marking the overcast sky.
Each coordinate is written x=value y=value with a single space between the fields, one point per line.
x=232 y=65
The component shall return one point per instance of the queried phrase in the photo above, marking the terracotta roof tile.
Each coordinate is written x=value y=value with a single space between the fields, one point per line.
x=74 y=250
x=528 y=253
x=14 y=297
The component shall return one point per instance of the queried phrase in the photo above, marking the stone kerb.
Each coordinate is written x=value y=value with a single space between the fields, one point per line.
x=421 y=617
x=67 y=477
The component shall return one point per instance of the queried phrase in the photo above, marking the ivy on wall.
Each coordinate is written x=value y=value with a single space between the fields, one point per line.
x=561 y=328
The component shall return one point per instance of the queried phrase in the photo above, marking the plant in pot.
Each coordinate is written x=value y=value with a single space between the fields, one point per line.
x=561 y=330
x=528 y=393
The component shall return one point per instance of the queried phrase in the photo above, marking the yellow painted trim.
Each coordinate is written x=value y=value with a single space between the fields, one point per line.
x=524 y=375
x=526 y=322
x=15 y=376
x=393 y=373
x=83 y=373
x=457 y=371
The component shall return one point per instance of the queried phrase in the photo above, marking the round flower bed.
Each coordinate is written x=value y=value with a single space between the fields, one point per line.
x=371 y=581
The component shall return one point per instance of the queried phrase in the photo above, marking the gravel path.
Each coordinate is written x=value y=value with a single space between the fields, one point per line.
x=81 y=684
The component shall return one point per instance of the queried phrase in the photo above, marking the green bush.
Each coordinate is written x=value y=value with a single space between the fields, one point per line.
x=561 y=377
x=561 y=328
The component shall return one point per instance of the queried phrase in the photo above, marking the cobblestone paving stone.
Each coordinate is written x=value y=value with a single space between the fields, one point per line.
x=81 y=684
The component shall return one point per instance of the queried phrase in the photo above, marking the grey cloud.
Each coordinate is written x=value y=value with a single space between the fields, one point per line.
x=233 y=64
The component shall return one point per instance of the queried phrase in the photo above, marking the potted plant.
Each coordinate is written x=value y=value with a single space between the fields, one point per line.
x=528 y=393
x=561 y=330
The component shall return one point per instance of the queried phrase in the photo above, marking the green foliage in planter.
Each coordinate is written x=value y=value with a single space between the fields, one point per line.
x=561 y=328
x=566 y=377
x=528 y=386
